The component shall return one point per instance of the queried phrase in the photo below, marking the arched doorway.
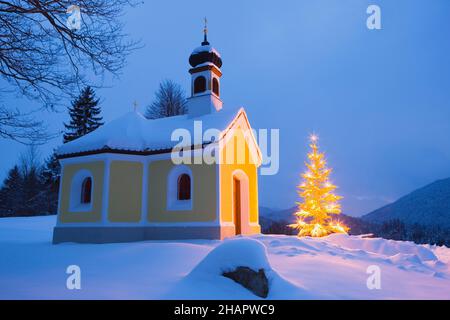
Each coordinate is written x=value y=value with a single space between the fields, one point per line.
x=240 y=202
x=237 y=205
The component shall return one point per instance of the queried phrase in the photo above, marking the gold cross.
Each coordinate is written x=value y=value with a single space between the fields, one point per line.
x=205 y=29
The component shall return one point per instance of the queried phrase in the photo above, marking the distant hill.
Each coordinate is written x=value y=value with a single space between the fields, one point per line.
x=428 y=206
x=278 y=215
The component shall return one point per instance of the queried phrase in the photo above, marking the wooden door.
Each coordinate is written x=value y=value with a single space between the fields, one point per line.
x=237 y=204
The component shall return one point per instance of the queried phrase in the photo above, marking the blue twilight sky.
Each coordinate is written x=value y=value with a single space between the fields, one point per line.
x=379 y=99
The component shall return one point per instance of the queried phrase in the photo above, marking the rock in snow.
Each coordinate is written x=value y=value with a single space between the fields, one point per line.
x=233 y=253
x=254 y=281
x=238 y=259
x=207 y=277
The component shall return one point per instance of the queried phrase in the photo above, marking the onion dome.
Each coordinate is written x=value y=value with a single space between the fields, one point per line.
x=205 y=54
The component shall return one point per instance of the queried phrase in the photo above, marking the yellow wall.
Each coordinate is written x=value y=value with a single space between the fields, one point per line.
x=126 y=182
x=238 y=162
x=204 y=193
x=97 y=169
x=125 y=191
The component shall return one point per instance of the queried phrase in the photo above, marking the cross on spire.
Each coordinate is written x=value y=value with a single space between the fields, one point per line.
x=205 y=33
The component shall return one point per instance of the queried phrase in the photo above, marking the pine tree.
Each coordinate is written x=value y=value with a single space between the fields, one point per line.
x=84 y=115
x=170 y=100
x=51 y=171
x=33 y=193
x=50 y=178
x=11 y=192
x=319 y=201
x=30 y=187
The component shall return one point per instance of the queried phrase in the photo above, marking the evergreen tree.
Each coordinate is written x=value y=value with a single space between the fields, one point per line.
x=170 y=100
x=50 y=178
x=84 y=115
x=319 y=201
x=30 y=187
x=11 y=192
x=51 y=171
x=32 y=192
x=393 y=229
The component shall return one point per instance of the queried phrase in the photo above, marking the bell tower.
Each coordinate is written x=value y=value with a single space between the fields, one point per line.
x=205 y=79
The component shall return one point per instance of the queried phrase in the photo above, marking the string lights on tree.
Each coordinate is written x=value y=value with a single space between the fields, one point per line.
x=315 y=215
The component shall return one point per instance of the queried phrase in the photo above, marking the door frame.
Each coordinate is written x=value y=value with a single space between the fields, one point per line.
x=244 y=205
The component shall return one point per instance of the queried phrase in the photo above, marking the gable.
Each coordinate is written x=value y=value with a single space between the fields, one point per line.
x=238 y=139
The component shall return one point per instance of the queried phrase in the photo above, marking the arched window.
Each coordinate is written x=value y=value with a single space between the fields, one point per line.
x=81 y=191
x=199 y=84
x=184 y=187
x=180 y=192
x=86 y=190
x=215 y=86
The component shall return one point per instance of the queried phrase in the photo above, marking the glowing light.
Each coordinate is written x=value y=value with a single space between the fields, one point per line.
x=318 y=231
x=339 y=228
x=302 y=213
x=319 y=201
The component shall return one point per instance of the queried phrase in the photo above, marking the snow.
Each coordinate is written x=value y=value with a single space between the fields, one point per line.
x=384 y=247
x=133 y=132
x=206 y=277
x=206 y=64
x=206 y=48
x=333 y=267
x=233 y=253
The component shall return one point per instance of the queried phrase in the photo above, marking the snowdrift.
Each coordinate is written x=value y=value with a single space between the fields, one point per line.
x=207 y=282
x=334 y=267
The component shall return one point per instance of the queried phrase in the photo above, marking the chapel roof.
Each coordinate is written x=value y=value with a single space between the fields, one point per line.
x=135 y=134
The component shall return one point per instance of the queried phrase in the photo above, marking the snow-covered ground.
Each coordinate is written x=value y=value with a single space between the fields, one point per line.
x=328 y=268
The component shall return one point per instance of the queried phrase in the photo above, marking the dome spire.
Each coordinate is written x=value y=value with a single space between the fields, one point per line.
x=205 y=33
x=205 y=54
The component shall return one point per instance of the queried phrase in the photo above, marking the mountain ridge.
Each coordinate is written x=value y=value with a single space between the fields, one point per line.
x=428 y=205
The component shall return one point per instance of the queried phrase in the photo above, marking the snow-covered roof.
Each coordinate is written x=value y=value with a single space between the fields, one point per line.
x=206 y=64
x=133 y=132
x=206 y=48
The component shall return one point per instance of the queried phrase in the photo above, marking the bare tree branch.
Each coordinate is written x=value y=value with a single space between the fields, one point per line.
x=43 y=58
x=22 y=127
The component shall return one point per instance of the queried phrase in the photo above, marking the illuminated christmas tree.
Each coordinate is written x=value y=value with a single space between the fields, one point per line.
x=320 y=204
